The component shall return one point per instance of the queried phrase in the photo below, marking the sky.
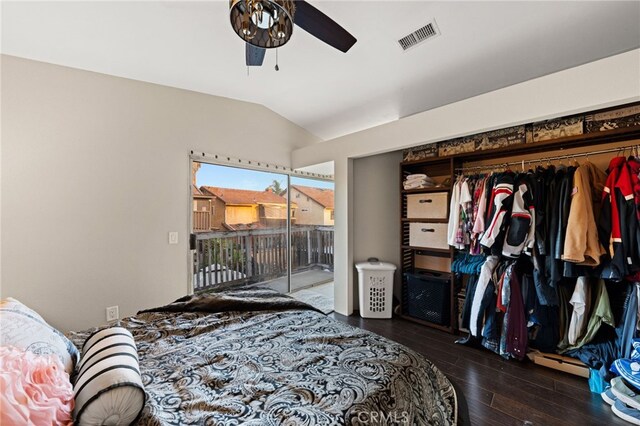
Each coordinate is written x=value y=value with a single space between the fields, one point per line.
x=237 y=178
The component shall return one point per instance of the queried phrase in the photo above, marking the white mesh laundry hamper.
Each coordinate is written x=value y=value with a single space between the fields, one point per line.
x=375 y=285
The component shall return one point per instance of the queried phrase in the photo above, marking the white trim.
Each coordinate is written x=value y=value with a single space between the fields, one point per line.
x=190 y=252
x=224 y=160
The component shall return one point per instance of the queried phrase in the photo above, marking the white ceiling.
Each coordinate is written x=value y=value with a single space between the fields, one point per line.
x=484 y=46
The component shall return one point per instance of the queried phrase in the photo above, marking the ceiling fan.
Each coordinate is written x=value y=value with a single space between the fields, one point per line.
x=267 y=24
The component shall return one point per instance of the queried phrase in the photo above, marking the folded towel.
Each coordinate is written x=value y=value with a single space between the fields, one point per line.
x=411 y=178
x=417 y=185
x=416 y=176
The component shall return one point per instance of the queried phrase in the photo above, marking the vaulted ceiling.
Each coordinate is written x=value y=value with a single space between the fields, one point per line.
x=483 y=46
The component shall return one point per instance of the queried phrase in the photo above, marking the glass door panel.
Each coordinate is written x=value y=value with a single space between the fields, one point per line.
x=240 y=231
x=312 y=207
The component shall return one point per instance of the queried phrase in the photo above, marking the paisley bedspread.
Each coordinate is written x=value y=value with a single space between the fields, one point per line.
x=293 y=366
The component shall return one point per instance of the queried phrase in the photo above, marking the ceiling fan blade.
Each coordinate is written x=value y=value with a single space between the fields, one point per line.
x=254 y=55
x=322 y=27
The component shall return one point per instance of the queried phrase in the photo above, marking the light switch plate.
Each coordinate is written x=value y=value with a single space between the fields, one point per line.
x=173 y=237
x=112 y=313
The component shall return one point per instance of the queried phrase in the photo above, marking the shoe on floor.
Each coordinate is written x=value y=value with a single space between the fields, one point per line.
x=608 y=396
x=624 y=393
x=626 y=413
x=629 y=370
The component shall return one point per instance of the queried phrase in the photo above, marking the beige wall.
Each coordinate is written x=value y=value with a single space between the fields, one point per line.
x=328 y=217
x=314 y=214
x=218 y=214
x=610 y=81
x=241 y=214
x=376 y=211
x=109 y=158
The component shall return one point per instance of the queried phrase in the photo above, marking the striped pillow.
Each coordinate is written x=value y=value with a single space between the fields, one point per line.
x=108 y=387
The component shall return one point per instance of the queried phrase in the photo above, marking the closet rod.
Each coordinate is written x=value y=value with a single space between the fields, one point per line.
x=633 y=148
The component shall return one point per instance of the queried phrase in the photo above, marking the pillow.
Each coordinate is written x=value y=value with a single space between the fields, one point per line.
x=108 y=388
x=25 y=329
x=34 y=389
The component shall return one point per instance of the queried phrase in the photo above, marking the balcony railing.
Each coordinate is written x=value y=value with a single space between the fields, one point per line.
x=240 y=257
x=201 y=221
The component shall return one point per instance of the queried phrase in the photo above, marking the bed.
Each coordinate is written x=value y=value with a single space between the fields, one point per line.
x=255 y=357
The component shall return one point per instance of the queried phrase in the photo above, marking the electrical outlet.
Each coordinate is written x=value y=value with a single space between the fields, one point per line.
x=173 y=237
x=112 y=313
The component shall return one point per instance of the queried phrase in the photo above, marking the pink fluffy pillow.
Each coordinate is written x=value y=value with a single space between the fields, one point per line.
x=34 y=389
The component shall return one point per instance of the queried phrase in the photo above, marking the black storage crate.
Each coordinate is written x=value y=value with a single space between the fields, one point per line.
x=426 y=296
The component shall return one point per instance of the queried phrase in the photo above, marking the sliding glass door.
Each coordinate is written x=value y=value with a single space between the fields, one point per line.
x=312 y=236
x=256 y=227
x=239 y=227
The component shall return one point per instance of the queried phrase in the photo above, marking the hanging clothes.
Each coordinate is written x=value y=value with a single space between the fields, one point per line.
x=466 y=214
x=479 y=302
x=468 y=300
x=627 y=328
x=602 y=314
x=609 y=226
x=564 y=208
x=454 y=214
x=581 y=244
x=566 y=228
x=552 y=263
x=500 y=209
x=517 y=337
x=580 y=300
x=479 y=211
x=520 y=232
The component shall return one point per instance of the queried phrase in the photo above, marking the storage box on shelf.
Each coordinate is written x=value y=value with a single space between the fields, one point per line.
x=430 y=205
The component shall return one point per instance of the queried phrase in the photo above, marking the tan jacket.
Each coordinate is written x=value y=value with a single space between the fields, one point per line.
x=581 y=244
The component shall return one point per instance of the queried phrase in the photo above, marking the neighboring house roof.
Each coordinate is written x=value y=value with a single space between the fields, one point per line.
x=243 y=196
x=322 y=196
x=195 y=191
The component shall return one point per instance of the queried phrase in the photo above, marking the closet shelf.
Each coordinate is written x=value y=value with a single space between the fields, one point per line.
x=404 y=219
x=427 y=190
x=435 y=271
x=434 y=250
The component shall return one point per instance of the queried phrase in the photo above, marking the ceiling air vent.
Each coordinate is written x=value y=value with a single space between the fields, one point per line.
x=418 y=36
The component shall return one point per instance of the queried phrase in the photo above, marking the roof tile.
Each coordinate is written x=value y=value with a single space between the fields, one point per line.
x=244 y=196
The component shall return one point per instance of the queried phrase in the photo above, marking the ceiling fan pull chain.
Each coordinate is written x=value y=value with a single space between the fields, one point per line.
x=277 y=67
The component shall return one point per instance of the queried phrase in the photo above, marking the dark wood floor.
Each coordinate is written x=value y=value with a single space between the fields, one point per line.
x=499 y=392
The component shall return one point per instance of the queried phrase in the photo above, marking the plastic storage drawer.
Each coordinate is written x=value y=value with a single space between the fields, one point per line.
x=427 y=297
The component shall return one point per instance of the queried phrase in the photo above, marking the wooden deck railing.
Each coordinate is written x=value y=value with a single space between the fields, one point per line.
x=230 y=258
x=201 y=221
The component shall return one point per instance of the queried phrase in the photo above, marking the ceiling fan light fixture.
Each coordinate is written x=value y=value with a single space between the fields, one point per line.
x=263 y=23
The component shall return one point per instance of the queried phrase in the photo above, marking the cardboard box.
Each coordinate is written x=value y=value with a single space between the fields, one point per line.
x=558 y=128
x=612 y=119
x=421 y=152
